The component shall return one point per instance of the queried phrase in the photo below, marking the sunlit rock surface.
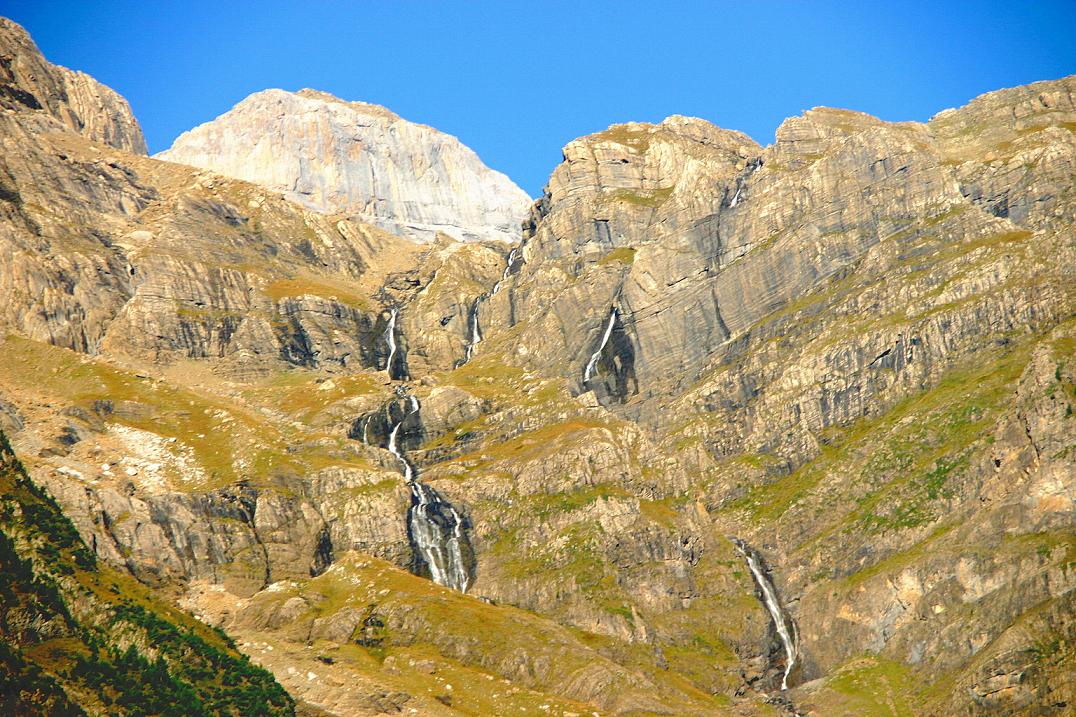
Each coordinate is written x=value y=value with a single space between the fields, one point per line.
x=361 y=159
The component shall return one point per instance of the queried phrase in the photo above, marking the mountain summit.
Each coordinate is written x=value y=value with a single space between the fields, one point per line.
x=359 y=159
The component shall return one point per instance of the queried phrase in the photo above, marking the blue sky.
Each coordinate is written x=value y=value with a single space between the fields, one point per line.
x=516 y=81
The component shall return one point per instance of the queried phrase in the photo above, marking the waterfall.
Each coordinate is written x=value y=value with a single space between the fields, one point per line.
x=472 y=317
x=434 y=525
x=437 y=530
x=786 y=629
x=476 y=331
x=390 y=337
x=408 y=471
x=736 y=196
x=601 y=347
x=752 y=166
x=507 y=271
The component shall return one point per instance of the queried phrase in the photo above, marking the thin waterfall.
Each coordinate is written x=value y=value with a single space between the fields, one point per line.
x=786 y=629
x=736 y=196
x=408 y=472
x=601 y=347
x=390 y=337
x=476 y=331
x=741 y=181
x=472 y=317
x=507 y=271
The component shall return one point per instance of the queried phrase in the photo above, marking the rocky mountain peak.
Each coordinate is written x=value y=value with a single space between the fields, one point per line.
x=81 y=103
x=360 y=159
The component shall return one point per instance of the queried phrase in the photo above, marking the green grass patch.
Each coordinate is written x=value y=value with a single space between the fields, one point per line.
x=648 y=199
x=621 y=255
x=872 y=687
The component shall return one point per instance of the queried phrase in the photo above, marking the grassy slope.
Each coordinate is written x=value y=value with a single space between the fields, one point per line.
x=75 y=633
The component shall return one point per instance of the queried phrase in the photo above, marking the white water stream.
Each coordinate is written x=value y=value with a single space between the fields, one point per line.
x=786 y=629
x=601 y=347
x=472 y=317
x=435 y=526
x=390 y=337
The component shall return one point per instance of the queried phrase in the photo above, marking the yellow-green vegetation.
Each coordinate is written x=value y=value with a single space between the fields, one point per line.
x=410 y=620
x=306 y=396
x=227 y=442
x=898 y=561
x=867 y=687
x=664 y=511
x=325 y=287
x=620 y=255
x=908 y=454
x=649 y=199
x=109 y=645
x=637 y=139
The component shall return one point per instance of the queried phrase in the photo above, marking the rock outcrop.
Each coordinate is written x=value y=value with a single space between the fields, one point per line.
x=359 y=159
x=28 y=81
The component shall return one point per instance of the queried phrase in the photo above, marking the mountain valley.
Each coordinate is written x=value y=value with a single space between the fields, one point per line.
x=708 y=428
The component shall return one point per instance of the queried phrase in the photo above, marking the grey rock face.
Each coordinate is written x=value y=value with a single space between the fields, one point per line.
x=28 y=81
x=242 y=537
x=360 y=159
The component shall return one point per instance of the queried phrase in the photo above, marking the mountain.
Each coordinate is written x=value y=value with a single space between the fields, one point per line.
x=359 y=159
x=728 y=429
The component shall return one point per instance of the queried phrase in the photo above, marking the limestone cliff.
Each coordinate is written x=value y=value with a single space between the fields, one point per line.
x=360 y=159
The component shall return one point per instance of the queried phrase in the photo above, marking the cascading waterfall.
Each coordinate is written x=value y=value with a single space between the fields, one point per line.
x=472 y=317
x=507 y=270
x=390 y=337
x=786 y=629
x=752 y=166
x=434 y=525
x=589 y=371
x=442 y=555
x=408 y=471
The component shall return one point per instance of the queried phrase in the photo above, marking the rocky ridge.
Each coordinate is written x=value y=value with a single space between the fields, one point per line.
x=851 y=349
x=79 y=102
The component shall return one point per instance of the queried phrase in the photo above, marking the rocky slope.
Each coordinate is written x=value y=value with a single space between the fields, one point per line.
x=359 y=159
x=79 y=638
x=851 y=351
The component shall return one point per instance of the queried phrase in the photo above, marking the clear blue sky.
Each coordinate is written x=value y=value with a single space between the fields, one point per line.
x=518 y=80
